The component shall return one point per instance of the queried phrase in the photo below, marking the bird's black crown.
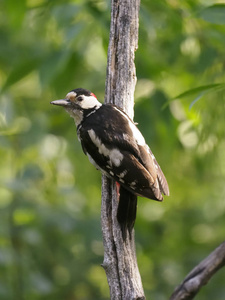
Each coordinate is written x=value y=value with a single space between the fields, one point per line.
x=80 y=91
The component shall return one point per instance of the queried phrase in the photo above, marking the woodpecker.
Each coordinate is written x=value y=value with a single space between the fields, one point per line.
x=116 y=147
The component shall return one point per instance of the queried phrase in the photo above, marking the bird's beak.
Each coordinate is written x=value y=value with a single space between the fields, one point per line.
x=61 y=102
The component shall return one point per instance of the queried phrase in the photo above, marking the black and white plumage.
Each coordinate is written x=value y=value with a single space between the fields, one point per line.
x=115 y=146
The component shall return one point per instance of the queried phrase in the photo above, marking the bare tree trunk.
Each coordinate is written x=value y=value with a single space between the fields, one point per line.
x=200 y=275
x=120 y=261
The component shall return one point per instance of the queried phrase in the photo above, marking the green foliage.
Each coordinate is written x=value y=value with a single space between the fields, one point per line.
x=50 y=232
x=214 y=14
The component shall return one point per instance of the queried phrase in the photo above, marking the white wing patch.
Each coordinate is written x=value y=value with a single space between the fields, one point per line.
x=137 y=134
x=114 y=155
x=121 y=175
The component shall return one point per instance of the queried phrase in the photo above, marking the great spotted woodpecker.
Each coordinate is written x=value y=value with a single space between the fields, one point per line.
x=116 y=147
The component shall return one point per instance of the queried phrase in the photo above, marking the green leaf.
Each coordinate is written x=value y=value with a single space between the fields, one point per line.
x=200 y=90
x=214 y=14
x=196 y=99
x=52 y=66
x=15 y=11
x=20 y=71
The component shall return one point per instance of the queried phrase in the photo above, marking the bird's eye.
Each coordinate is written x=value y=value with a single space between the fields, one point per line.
x=80 y=98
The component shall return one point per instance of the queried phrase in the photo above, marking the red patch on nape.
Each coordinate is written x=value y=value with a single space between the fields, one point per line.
x=118 y=188
x=92 y=94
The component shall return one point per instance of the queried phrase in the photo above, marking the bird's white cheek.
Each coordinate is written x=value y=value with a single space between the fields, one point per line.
x=90 y=102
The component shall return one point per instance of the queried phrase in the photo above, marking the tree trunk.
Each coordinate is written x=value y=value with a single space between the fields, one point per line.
x=120 y=261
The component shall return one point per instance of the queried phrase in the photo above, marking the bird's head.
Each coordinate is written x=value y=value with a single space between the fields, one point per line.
x=79 y=103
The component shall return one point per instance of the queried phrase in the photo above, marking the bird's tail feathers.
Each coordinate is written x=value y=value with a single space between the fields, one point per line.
x=126 y=213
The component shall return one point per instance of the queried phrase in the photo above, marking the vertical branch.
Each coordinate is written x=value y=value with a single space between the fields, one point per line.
x=121 y=72
x=120 y=261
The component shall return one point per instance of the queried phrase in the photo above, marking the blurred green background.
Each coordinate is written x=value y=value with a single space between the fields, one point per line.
x=50 y=195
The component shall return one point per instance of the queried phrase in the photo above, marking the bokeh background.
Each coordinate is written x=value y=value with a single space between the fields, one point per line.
x=50 y=195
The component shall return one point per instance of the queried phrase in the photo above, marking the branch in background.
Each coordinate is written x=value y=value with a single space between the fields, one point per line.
x=200 y=275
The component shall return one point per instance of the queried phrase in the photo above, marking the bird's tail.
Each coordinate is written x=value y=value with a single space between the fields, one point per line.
x=126 y=213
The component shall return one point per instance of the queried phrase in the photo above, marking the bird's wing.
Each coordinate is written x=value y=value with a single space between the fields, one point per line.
x=113 y=128
x=151 y=164
x=144 y=154
x=134 y=142
x=119 y=149
x=121 y=165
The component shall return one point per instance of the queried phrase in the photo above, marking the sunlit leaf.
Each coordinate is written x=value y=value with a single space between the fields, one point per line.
x=23 y=216
x=197 y=92
x=196 y=99
x=200 y=90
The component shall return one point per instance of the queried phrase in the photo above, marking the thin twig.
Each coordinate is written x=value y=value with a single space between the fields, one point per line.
x=200 y=275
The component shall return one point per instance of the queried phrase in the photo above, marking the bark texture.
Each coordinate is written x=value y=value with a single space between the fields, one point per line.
x=120 y=261
x=200 y=275
x=123 y=42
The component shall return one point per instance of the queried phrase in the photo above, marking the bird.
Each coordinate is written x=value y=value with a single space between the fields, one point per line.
x=116 y=147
